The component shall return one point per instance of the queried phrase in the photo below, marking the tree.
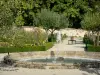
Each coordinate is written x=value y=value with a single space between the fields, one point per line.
x=52 y=20
x=91 y=22
x=94 y=4
x=23 y=12
x=73 y=9
x=26 y=10
x=6 y=16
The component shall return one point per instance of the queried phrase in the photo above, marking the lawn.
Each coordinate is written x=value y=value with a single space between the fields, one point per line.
x=92 y=48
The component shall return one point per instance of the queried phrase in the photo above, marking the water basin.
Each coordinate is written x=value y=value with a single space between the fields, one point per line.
x=63 y=60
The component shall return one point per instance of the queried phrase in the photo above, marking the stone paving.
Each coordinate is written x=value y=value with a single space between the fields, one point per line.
x=64 y=46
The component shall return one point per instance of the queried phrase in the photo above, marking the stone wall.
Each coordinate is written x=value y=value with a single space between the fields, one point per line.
x=48 y=54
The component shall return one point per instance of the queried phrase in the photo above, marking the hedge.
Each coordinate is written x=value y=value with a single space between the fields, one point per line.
x=92 y=48
x=26 y=49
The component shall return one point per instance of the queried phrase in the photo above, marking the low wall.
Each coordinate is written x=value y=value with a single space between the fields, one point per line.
x=48 y=54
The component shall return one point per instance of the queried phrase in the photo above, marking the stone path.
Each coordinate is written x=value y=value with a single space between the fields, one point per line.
x=64 y=46
x=25 y=71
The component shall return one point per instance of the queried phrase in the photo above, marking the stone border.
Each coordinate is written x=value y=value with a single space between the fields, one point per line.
x=35 y=65
x=48 y=54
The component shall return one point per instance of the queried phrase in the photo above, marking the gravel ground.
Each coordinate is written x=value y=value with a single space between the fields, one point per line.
x=25 y=71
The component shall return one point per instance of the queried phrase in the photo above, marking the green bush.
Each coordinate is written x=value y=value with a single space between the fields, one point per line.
x=4 y=44
x=52 y=38
x=87 y=40
x=92 y=48
x=18 y=37
x=21 y=49
x=26 y=48
x=18 y=40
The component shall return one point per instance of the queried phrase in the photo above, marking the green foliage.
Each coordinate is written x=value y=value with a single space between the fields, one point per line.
x=27 y=48
x=52 y=20
x=6 y=16
x=95 y=5
x=6 y=34
x=87 y=40
x=91 y=21
x=64 y=22
x=52 y=38
x=23 y=12
x=73 y=9
x=49 y=19
x=4 y=44
x=19 y=37
x=92 y=48
x=19 y=21
x=40 y=36
x=21 y=49
x=49 y=45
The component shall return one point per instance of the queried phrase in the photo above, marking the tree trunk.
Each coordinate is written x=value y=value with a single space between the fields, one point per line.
x=8 y=53
x=52 y=35
x=94 y=39
x=97 y=39
x=47 y=35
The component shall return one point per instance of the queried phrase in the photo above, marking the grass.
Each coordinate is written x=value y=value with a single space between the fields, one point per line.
x=26 y=49
x=49 y=45
x=92 y=48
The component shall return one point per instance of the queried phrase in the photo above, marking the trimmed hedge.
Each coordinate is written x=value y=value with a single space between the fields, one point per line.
x=92 y=48
x=26 y=49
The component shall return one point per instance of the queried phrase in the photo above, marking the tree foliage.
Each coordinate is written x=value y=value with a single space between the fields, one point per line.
x=73 y=9
x=23 y=12
x=6 y=15
x=91 y=21
x=52 y=20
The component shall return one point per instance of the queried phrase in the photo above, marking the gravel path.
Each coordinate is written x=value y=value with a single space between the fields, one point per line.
x=64 y=46
x=24 y=71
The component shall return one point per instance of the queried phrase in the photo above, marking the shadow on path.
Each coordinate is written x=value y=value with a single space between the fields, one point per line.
x=91 y=70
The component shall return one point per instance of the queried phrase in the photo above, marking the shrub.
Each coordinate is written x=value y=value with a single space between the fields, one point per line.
x=4 y=44
x=22 y=38
x=18 y=37
x=40 y=36
x=6 y=34
x=52 y=38
x=87 y=40
x=26 y=48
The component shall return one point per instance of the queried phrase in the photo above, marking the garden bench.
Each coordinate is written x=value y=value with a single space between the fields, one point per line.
x=72 y=40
